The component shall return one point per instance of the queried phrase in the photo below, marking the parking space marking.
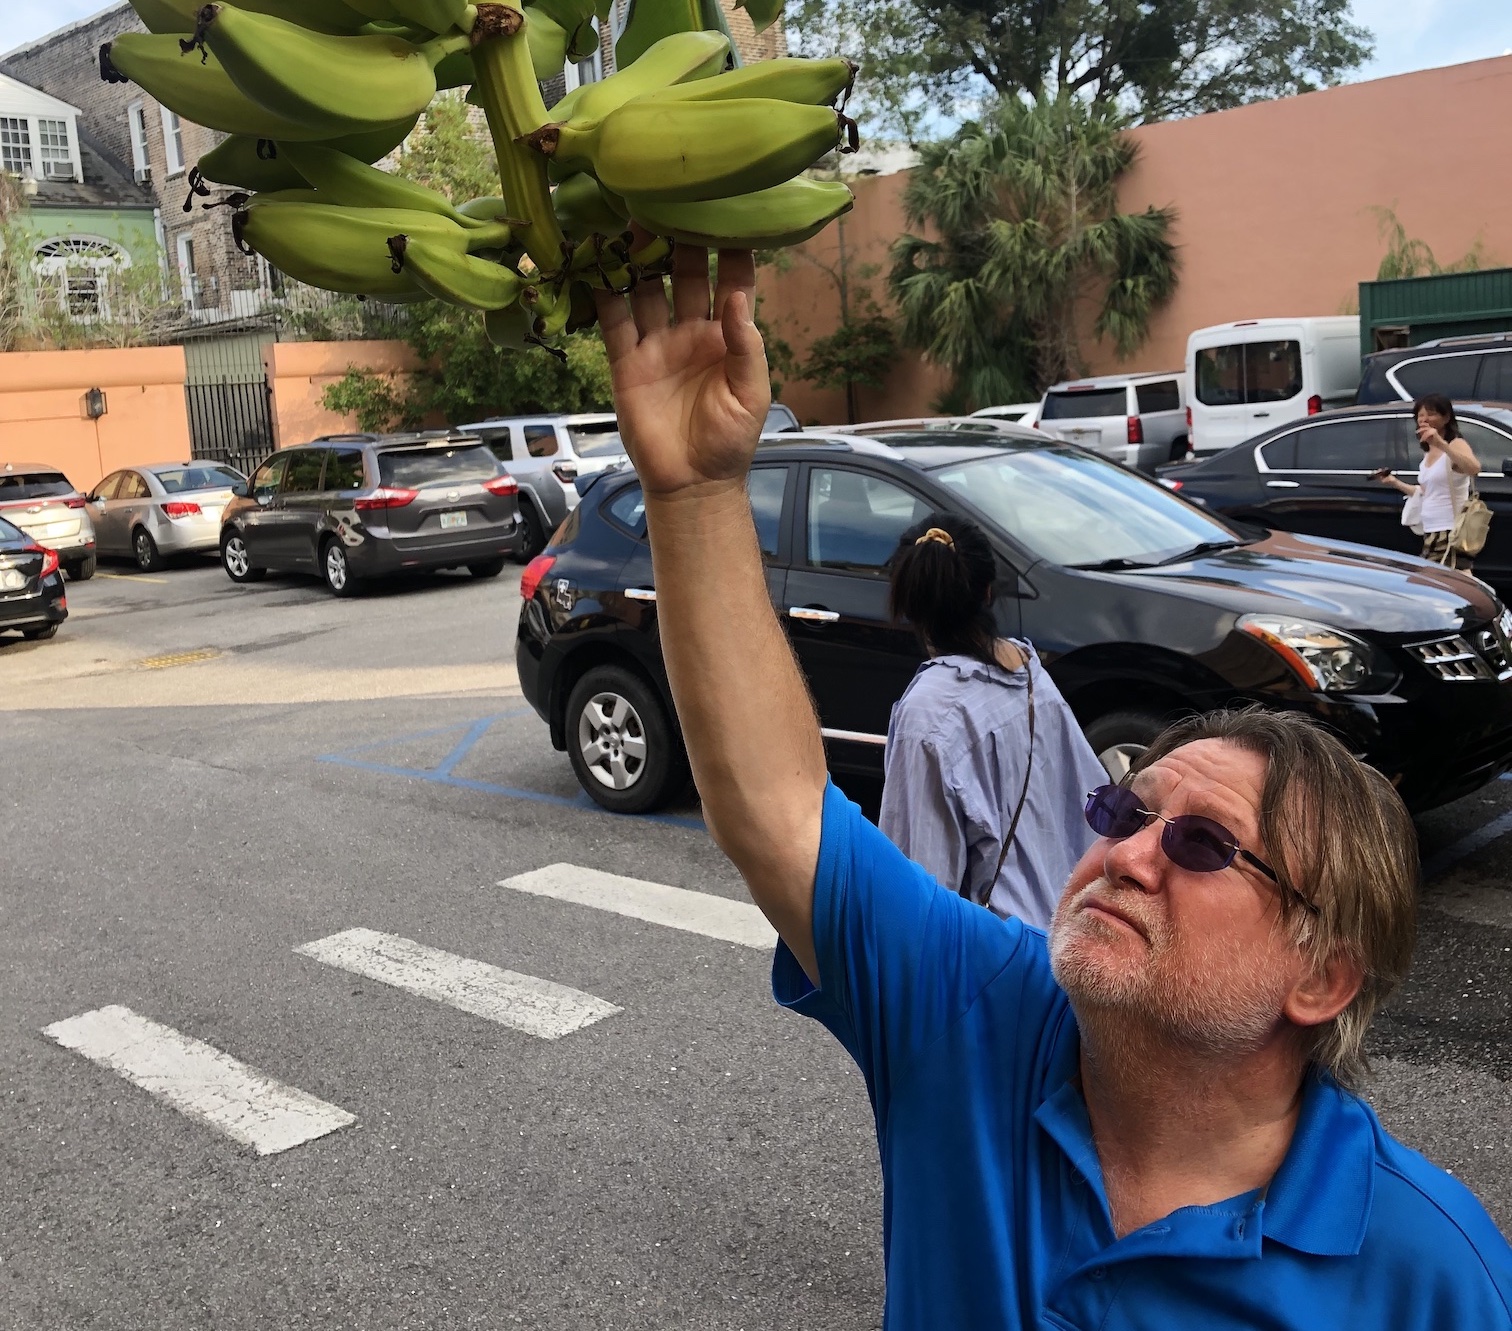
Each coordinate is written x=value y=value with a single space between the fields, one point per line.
x=522 y=1002
x=131 y=577
x=675 y=907
x=199 y=1080
x=1467 y=845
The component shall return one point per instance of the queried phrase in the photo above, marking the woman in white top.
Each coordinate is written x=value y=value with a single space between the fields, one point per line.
x=1444 y=478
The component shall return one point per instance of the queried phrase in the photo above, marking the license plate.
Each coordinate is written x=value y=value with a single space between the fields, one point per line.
x=12 y=579
x=458 y=519
x=59 y=529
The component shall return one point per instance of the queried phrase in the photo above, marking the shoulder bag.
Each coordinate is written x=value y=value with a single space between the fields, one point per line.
x=986 y=896
x=1472 y=527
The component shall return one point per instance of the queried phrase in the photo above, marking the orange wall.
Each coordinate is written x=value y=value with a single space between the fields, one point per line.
x=42 y=415
x=1274 y=212
x=300 y=371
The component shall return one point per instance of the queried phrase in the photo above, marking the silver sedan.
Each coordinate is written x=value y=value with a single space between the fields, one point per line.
x=171 y=508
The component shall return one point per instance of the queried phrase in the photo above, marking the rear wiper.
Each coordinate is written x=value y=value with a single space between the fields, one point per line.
x=1112 y=565
x=1201 y=548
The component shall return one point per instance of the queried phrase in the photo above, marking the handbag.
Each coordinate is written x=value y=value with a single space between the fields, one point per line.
x=986 y=896
x=1472 y=527
x=1412 y=512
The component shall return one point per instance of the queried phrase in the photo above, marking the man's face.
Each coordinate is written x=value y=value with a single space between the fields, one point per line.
x=1202 y=957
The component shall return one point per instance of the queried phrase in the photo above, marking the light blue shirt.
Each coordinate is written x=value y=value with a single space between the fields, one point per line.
x=995 y=1216
x=956 y=748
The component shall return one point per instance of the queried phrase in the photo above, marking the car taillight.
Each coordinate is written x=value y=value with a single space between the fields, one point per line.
x=566 y=472
x=385 y=496
x=534 y=572
x=1314 y=405
x=178 y=508
x=49 y=559
x=1189 y=418
x=1173 y=485
x=1136 y=430
x=502 y=485
x=77 y=502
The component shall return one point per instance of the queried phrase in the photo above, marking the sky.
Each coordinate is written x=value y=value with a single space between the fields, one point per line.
x=1410 y=34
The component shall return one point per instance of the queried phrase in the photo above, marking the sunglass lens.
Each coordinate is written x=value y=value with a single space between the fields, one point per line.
x=1113 y=811
x=1198 y=844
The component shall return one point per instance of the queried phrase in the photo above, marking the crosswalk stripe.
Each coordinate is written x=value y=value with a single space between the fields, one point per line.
x=199 y=1080
x=521 y=1002
x=676 y=907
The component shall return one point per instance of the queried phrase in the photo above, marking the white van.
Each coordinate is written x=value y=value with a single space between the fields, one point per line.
x=1246 y=377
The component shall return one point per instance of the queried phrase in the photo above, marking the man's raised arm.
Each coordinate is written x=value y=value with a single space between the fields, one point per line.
x=691 y=393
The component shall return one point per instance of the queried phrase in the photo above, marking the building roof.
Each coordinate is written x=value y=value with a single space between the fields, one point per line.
x=63 y=31
x=17 y=98
x=107 y=183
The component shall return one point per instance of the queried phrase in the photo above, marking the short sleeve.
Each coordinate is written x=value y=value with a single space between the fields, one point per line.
x=899 y=960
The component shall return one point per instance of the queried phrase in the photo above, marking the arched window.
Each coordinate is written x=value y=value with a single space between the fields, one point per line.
x=76 y=270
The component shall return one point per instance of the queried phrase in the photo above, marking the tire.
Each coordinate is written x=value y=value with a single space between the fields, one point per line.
x=532 y=532
x=1118 y=738
x=621 y=743
x=144 y=550
x=84 y=570
x=42 y=634
x=489 y=568
x=236 y=561
x=335 y=570
x=1179 y=449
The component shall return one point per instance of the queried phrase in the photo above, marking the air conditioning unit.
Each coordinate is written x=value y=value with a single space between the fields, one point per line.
x=57 y=171
x=142 y=175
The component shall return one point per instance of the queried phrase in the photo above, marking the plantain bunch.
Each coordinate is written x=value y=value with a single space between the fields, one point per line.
x=681 y=141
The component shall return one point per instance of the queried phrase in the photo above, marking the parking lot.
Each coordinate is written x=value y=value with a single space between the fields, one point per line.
x=208 y=781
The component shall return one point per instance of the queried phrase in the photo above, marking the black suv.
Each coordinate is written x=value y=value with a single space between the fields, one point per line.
x=1143 y=607
x=1475 y=369
x=355 y=507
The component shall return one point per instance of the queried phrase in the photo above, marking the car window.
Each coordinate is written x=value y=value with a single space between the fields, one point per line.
x=500 y=444
x=1249 y=372
x=1495 y=381
x=767 y=487
x=1454 y=376
x=303 y=475
x=596 y=441
x=11 y=533
x=106 y=489
x=1281 y=453
x=540 y=440
x=1492 y=448
x=132 y=487
x=176 y=480
x=780 y=418
x=33 y=485
x=415 y=468
x=1163 y=395
x=1360 y=445
x=628 y=509
x=265 y=480
x=1079 y=403
x=855 y=520
x=1072 y=507
x=343 y=470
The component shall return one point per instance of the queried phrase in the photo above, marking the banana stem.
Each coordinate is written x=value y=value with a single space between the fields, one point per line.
x=438 y=48
x=511 y=98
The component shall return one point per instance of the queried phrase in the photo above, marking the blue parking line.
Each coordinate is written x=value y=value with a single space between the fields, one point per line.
x=475 y=732
x=1468 y=845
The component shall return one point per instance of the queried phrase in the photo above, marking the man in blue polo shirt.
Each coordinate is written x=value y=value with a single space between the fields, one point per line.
x=1140 y=1120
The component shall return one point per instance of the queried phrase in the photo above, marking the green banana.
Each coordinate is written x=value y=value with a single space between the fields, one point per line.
x=714 y=20
x=164 y=16
x=649 y=21
x=509 y=328
x=336 y=249
x=697 y=150
x=763 y=13
x=331 y=16
x=198 y=90
x=566 y=14
x=337 y=85
x=787 y=79
x=454 y=71
x=457 y=278
x=548 y=41
x=583 y=210
x=259 y=164
x=584 y=40
x=437 y=16
x=489 y=208
x=673 y=61
x=786 y=214
x=348 y=183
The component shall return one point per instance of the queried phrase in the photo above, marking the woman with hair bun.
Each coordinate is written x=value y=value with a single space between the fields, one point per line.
x=987 y=770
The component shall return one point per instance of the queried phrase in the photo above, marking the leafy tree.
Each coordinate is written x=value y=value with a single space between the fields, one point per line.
x=1407 y=256
x=1025 y=230
x=1153 y=59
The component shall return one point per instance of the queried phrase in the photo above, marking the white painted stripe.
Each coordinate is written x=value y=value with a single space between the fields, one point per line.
x=695 y=912
x=521 y=1002
x=199 y=1080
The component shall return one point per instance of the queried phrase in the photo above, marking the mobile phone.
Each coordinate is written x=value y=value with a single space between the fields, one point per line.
x=1380 y=475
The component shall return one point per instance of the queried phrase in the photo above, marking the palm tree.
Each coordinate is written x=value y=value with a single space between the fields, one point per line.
x=1024 y=230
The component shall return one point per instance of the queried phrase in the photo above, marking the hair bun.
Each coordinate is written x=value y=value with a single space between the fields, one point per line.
x=937 y=534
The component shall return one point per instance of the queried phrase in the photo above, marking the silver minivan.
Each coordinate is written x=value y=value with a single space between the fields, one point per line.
x=1137 y=419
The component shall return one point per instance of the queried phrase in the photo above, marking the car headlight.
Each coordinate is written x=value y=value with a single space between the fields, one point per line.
x=1323 y=658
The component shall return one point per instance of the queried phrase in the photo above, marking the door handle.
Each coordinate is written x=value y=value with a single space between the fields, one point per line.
x=1262 y=415
x=639 y=594
x=811 y=615
x=1284 y=485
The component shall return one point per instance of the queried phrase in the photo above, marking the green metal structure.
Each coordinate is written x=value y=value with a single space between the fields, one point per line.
x=1409 y=311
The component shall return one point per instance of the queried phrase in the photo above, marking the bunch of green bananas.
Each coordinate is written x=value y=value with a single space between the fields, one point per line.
x=682 y=142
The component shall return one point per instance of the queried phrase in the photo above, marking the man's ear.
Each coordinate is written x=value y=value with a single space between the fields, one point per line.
x=1324 y=992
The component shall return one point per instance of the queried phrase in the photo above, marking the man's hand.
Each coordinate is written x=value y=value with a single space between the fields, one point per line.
x=692 y=392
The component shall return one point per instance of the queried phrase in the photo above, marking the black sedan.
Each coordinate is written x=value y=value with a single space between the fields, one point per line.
x=1313 y=476
x=32 y=599
x=1143 y=607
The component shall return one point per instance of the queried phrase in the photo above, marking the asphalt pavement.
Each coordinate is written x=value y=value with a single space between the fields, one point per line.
x=207 y=781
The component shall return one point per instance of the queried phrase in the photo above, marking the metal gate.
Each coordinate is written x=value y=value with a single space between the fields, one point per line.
x=229 y=399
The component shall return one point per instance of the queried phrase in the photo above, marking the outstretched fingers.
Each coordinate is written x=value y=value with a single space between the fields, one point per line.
x=690 y=283
x=616 y=326
x=745 y=355
x=737 y=272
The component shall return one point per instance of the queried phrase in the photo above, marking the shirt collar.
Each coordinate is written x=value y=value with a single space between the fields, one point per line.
x=968 y=667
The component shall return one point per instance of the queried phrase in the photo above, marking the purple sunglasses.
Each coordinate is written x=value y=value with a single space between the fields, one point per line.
x=1189 y=840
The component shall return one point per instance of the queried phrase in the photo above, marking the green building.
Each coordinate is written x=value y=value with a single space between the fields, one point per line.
x=1409 y=311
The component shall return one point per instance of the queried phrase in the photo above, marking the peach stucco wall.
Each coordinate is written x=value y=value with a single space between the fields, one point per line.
x=42 y=415
x=1274 y=204
x=299 y=372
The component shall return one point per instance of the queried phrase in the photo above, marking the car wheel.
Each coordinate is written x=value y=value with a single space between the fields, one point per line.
x=489 y=568
x=532 y=533
x=83 y=571
x=236 y=560
x=41 y=634
x=145 y=550
x=336 y=570
x=1179 y=449
x=621 y=743
x=1118 y=739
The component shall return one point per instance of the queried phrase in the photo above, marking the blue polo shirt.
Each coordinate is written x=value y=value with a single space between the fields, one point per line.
x=994 y=1214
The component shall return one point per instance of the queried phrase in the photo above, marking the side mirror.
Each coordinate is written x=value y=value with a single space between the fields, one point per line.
x=1507 y=466
x=98 y=501
x=240 y=490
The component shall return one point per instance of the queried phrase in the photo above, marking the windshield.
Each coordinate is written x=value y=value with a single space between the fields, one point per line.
x=599 y=440
x=33 y=485
x=1072 y=508
x=1081 y=403
x=175 y=480
x=415 y=468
